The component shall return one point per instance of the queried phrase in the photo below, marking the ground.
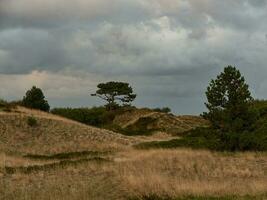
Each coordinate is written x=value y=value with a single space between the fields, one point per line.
x=62 y=159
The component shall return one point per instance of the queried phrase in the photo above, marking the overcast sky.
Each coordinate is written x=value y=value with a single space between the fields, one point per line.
x=168 y=50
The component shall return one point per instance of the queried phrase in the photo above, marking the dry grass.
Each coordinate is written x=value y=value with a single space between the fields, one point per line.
x=139 y=173
x=17 y=161
x=168 y=123
x=187 y=172
x=131 y=173
x=87 y=181
x=53 y=134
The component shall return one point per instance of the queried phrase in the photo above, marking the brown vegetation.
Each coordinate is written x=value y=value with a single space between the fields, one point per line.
x=98 y=164
x=53 y=134
x=137 y=173
x=187 y=172
x=158 y=121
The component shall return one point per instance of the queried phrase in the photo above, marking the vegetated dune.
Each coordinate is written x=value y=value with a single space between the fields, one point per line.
x=145 y=119
x=53 y=134
x=62 y=159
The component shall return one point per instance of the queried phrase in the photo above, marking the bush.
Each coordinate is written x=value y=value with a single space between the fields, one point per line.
x=95 y=116
x=35 y=99
x=3 y=103
x=102 y=118
x=163 y=110
x=32 y=121
x=207 y=138
x=14 y=104
x=7 y=106
x=200 y=138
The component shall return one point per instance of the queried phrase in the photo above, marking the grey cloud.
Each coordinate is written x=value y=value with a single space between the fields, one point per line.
x=190 y=14
x=258 y=3
x=60 y=13
x=167 y=49
x=26 y=50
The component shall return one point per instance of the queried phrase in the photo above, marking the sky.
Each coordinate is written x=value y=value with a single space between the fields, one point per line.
x=168 y=50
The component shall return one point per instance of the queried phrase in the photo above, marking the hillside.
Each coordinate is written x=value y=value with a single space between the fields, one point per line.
x=63 y=159
x=133 y=121
x=146 y=121
x=53 y=134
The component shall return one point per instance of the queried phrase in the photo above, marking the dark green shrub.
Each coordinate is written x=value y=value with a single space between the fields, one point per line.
x=163 y=110
x=100 y=117
x=14 y=104
x=31 y=121
x=207 y=138
x=6 y=106
x=95 y=116
x=35 y=99
x=3 y=103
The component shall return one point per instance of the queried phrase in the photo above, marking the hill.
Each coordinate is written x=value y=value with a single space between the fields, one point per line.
x=146 y=121
x=53 y=134
x=63 y=159
x=208 y=138
x=133 y=121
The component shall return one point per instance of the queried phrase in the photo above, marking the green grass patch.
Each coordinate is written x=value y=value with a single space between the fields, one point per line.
x=200 y=138
x=67 y=155
x=61 y=164
x=207 y=138
x=32 y=121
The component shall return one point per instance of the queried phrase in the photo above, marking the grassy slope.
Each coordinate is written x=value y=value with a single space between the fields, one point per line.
x=205 y=138
x=53 y=134
x=132 y=121
x=63 y=159
x=148 y=122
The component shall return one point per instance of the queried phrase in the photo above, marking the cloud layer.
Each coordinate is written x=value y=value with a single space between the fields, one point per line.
x=167 y=49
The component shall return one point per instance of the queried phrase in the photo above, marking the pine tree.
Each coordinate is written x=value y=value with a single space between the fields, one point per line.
x=228 y=102
x=114 y=92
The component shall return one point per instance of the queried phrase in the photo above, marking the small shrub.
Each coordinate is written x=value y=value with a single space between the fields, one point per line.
x=32 y=121
x=3 y=103
x=163 y=110
x=6 y=106
x=7 y=109
x=14 y=104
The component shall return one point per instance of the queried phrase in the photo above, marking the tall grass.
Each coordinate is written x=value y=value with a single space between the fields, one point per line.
x=146 y=174
x=175 y=173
